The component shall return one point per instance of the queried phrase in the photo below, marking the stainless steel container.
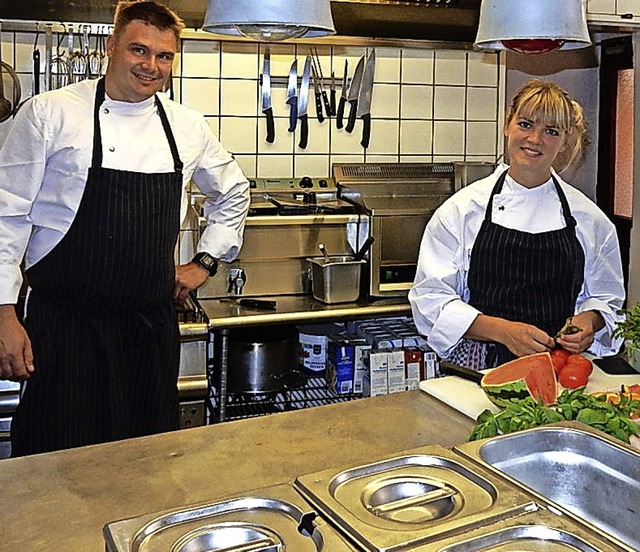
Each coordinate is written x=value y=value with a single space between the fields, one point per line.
x=336 y=280
x=261 y=359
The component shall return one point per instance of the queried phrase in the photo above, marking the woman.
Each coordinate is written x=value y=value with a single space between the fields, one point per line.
x=513 y=259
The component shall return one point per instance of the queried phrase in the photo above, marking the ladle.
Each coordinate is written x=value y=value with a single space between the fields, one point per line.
x=363 y=250
x=322 y=248
x=5 y=105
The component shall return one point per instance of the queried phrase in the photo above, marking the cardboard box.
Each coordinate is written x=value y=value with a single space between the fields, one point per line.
x=414 y=367
x=340 y=367
x=361 y=351
x=395 y=371
x=375 y=378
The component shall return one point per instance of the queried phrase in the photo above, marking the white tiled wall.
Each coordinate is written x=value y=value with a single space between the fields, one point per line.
x=427 y=105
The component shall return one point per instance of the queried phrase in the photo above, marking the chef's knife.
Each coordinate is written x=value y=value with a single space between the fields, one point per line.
x=303 y=104
x=352 y=95
x=266 y=96
x=317 y=93
x=364 y=98
x=460 y=371
x=343 y=95
x=332 y=94
x=292 y=95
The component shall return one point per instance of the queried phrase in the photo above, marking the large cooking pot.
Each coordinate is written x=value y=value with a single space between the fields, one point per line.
x=260 y=360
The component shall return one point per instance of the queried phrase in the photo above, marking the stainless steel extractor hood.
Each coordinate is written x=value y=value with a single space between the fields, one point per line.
x=434 y=20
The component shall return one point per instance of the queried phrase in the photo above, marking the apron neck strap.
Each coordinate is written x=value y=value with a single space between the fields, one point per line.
x=568 y=217
x=97 y=135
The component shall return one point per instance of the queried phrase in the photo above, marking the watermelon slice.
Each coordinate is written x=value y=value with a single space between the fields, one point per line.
x=528 y=376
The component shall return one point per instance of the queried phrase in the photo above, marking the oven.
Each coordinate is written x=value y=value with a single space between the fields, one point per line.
x=399 y=199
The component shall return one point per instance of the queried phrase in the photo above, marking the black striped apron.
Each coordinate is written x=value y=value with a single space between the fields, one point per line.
x=523 y=277
x=100 y=314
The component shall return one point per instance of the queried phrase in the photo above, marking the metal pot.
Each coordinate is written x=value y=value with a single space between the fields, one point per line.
x=261 y=359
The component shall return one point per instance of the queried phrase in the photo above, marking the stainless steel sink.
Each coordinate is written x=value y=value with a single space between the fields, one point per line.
x=418 y=496
x=581 y=471
x=274 y=519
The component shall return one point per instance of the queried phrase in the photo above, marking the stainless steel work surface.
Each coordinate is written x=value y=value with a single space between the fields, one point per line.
x=293 y=309
x=411 y=498
x=60 y=501
x=584 y=472
x=271 y=519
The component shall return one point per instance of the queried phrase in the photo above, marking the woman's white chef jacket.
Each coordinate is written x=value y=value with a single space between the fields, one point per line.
x=439 y=294
x=46 y=156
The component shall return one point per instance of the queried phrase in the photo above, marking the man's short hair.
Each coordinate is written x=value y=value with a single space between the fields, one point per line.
x=152 y=13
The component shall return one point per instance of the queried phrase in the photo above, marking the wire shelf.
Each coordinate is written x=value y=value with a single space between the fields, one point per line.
x=314 y=392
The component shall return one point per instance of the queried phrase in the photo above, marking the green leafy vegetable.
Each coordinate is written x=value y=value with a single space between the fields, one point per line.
x=593 y=410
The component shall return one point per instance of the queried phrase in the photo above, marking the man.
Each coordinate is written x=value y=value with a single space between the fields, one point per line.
x=92 y=189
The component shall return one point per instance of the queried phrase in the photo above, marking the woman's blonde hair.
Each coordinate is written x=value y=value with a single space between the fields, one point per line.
x=546 y=102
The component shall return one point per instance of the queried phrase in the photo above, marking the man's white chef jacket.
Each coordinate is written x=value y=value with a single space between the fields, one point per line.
x=46 y=156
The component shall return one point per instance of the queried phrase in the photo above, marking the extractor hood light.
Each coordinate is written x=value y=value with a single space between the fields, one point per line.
x=269 y=20
x=532 y=26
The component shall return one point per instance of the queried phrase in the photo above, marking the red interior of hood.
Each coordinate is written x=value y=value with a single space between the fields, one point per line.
x=533 y=45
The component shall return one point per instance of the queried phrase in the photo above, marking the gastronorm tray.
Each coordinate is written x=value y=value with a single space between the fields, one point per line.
x=268 y=520
x=415 y=497
x=570 y=466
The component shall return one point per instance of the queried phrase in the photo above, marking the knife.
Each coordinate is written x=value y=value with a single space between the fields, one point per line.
x=364 y=98
x=332 y=94
x=303 y=104
x=343 y=95
x=266 y=96
x=352 y=95
x=460 y=371
x=317 y=93
x=292 y=95
x=323 y=92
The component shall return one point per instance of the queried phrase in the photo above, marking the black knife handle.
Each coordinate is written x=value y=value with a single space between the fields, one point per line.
x=319 y=107
x=332 y=102
x=304 y=131
x=293 y=114
x=271 y=129
x=36 y=72
x=340 y=114
x=258 y=304
x=327 y=104
x=352 y=116
x=460 y=371
x=366 y=130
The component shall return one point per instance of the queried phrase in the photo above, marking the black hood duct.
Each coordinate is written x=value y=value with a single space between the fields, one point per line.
x=433 y=20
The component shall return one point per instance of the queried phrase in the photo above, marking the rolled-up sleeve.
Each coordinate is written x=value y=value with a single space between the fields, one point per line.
x=220 y=178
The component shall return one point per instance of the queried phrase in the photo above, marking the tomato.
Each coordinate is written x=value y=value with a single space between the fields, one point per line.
x=579 y=360
x=573 y=376
x=559 y=358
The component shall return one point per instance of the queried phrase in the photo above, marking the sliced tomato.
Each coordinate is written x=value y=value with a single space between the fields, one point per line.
x=573 y=376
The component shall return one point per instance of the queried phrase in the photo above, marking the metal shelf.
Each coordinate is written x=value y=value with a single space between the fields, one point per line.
x=314 y=392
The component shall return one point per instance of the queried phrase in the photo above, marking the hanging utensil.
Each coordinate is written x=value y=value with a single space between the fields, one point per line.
x=266 y=96
x=352 y=95
x=5 y=105
x=364 y=98
x=323 y=92
x=343 y=94
x=292 y=95
x=303 y=104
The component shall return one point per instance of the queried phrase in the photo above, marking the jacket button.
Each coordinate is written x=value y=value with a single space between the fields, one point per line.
x=112 y=149
x=105 y=110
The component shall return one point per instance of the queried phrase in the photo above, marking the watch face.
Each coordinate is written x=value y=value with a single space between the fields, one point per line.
x=207 y=261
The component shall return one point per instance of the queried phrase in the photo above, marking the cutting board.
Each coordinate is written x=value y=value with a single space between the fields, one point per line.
x=467 y=397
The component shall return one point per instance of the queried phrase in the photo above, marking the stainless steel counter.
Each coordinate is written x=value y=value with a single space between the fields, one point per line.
x=61 y=500
x=226 y=315
x=296 y=309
